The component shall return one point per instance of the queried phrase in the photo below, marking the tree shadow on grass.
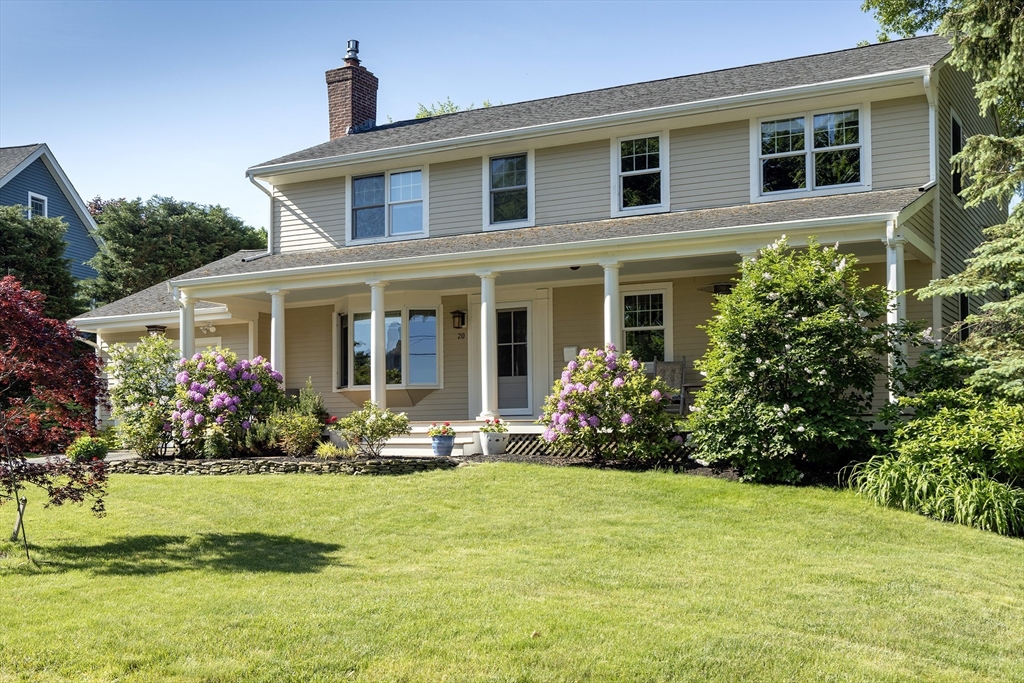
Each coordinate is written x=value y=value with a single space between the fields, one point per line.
x=161 y=554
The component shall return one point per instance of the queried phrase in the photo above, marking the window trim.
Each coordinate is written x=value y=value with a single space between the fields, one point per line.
x=531 y=194
x=663 y=288
x=353 y=310
x=46 y=204
x=864 y=120
x=665 y=163
x=955 y=118
x=388 y=237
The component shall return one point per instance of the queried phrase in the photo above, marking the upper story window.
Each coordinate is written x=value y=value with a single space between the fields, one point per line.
x=640 y=173
x=387 y=205
x=36 y=205
x=956 y=145
x=811 y=152
x=509 y=192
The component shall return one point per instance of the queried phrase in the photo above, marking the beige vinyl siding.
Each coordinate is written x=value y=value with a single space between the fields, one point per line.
x=922 y=224
x=456 y=197
x=263 y=335
x=451 y=401
x=572 y=183
x=309 y=215
x=710 y=165
x=578 y=315
x=308 y=344
x=899 y=143
x=960 y=227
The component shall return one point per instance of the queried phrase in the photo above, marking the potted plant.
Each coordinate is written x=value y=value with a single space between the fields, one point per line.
x=442 y=438
x=493 y=437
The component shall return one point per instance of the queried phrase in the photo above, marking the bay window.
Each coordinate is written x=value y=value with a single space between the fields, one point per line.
x=410 y=348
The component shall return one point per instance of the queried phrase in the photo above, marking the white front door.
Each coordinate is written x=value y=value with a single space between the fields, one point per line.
x=513 y=361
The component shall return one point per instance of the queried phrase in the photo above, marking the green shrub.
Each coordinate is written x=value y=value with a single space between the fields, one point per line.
x=216 y=445
x=328 y=451
x=311 y=402
x=604 y=403
x=297 y=434
x=142 y=393
x=86 y=448
x=368 y=430
x=791 y=366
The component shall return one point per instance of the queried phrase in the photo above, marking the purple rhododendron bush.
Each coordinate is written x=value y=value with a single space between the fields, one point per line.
x=220 y=399
x=605 y=404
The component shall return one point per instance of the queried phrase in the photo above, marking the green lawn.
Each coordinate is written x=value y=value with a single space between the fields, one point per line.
x=503 y=573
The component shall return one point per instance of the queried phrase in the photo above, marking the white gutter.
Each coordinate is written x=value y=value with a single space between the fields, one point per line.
x=592 y=245
x=99 y=321
x=665 y=111
x=270 y=215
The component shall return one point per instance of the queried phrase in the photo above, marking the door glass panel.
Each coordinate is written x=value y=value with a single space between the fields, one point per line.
x=505 y=360
x=513 y=360
x=519 y=327
x=422 y=347
x=504 y=327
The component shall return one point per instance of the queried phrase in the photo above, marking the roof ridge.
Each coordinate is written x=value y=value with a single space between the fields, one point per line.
x=33 y=144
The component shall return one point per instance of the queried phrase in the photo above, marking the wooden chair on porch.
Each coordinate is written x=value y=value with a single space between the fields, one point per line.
x=673 y=373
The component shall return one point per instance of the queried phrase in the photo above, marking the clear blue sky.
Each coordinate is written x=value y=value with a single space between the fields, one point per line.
x=179 y=98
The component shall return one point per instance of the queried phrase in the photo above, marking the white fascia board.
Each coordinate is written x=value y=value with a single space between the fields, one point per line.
x=157 y=318
x=650 y=114
x=70 y=193
x=641 y=247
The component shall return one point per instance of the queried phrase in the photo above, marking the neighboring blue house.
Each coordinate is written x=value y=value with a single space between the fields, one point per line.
x=30 y=176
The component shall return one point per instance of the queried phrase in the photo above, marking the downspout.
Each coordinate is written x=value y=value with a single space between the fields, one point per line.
x=931 y=87
x=270 y=219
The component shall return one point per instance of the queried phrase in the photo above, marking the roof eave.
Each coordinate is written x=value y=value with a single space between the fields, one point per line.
x=700 y=106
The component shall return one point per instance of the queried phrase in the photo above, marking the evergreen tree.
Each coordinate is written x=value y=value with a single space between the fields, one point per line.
x=147 y=242
x=988 y=43
x=32 y=250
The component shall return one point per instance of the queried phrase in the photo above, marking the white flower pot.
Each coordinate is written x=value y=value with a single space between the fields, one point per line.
x=493 y=444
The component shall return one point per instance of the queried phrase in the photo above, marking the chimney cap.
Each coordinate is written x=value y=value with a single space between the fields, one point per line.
x=353 y=50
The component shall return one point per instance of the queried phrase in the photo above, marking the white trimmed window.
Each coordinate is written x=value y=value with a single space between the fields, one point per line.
x=387 y=205
x=956 y=145
x=410 y=348
x=643 y=325
x=37 y=205
x=508 y=200
x=640 y=164
x=813 y=151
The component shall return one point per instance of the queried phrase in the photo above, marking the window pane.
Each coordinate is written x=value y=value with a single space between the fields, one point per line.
x=641 y=190
x=504 y=327
x=519 y=360
x=508 y=205
x=406 y=218
x=423 y=347
x=406 y=186
x=38 y=207
x=786 y=135
x=837 y=168
x=368 y=223
x=783 y=173
x=393 y=346
x=505 y=360
x=343 y=360
x=519 y=326
x=646 y=345
x=361 y=349
x=508 y=172
x=643 y=310
x=837 y=128
x=368 y=191
x=640 y=155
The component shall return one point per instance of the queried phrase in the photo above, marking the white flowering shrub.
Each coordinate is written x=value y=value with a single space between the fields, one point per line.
x=795 y=350
x=604 y=403
x=368 y=431
x=142 y=392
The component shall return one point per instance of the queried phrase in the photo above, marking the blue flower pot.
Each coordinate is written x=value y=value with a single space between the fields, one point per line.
x=442 y=445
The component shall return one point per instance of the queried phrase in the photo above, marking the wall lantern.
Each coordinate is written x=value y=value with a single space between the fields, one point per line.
x=154 y=330
x=718 y=288
x=208 y=328
x=458 y=319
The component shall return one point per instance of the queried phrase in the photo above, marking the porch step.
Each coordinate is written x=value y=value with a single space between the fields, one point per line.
x=466 y=443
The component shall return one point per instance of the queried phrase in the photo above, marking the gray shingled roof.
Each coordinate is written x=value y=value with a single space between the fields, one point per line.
x=158 y=299
x=820 y=68
x=10 y=157
x=155 y=299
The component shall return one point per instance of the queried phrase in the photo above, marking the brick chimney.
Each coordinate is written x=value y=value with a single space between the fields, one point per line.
x=351 y=96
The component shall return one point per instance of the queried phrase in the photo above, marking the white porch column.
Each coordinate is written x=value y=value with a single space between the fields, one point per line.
x=612 y=304
x=488 y=346
x=277 y=323
x=895 y=282
x=186 y=325
x=378 y=343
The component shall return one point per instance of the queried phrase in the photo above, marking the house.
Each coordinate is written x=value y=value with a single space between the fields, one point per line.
x=448 y=267
x=30 y=176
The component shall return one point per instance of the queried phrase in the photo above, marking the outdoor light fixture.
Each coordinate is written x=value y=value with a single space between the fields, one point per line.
x=717 y=288
x=154 y=330
x=458 y=319
x=208 y=328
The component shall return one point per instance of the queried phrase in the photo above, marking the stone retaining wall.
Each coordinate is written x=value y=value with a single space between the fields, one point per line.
x=388 y=465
